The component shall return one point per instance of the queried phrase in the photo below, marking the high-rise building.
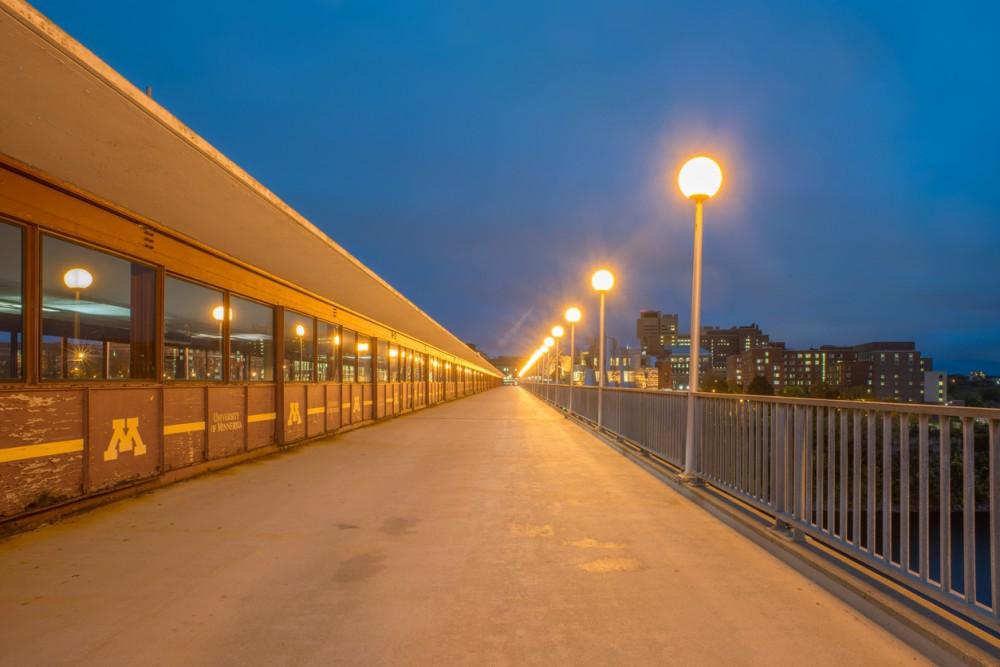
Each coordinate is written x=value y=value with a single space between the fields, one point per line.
x=936 y=387
x=724 y=342
x=656 y=331
x=892 y=371
x=897 y=370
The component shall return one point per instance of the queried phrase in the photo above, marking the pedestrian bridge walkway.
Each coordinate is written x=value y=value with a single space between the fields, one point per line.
x=483 y=531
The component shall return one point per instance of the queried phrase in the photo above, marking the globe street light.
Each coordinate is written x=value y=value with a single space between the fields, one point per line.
x=572 y=316
x=699 y=179
x=602 y=281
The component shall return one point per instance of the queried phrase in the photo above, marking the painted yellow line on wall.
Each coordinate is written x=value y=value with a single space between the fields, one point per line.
x=316 y=411
x=345 y=405
x=187 y=427
x=262 y=417
x=41 y=449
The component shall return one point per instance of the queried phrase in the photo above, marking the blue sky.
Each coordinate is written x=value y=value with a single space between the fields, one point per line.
x=484 y=157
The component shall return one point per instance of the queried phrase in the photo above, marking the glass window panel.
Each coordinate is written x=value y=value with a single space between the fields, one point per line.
x=394 y=361
x=299 y=349
x=251 y=341
x=11 y=309
x=349 y=352
x=364 y=358
x=382 y=361
x=192 y=331
x=98 y=315
x=327 y=348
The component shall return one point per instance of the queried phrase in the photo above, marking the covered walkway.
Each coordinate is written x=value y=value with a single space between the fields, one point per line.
x=484 y=531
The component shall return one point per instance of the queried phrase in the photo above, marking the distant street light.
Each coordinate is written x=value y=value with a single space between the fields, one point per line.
x=602 y=281
x=572 y=316
x=699 y=179
x=557 y=333
x=549 y=343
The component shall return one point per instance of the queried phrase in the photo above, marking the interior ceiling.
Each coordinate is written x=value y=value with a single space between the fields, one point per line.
x=65 y=112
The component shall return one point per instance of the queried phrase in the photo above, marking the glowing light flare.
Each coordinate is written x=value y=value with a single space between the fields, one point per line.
x=531 y=361
x=602 y=280
x=78 y=279
x=300 y=330
x=557 y=331
x=700 y=178
x=573 y=315
x=394 y=353
x=549 y=341
x=219 y=312
x=362 y=347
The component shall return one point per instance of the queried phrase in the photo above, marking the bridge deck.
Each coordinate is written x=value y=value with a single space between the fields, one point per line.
x=485 y=531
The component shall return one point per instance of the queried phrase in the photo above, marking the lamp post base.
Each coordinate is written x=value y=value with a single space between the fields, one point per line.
x=690 y=479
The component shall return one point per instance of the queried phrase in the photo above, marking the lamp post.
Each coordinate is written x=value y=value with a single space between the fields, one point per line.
x=549 y=344
x=699 y=179
x=572 y=316
x=601 y=281
x=557 y=333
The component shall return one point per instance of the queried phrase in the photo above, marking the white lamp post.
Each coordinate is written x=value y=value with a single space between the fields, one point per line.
x=601 y=281
x=572 y=316
x=557 y=333
x=699 y=179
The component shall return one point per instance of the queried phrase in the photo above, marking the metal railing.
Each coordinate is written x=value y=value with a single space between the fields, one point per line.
x=910 y=490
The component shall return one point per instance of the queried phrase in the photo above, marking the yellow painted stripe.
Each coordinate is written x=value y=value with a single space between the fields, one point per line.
x=368 y=402
x=188 y=427
x=262 y=417
x=316 y=411
x=345 y=405
x=41 y=449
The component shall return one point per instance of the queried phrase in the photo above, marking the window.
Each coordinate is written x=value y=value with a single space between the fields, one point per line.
x=98 y=315
x=394 y=361
x=299 y=349
x=382 y=362
x=251 y=341
x=348 y=348
x=364 y=358
x=192 y=331
x=327 y=348
x=11 y=317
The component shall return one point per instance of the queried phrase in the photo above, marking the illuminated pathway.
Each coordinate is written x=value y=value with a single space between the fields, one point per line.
x=485 y=531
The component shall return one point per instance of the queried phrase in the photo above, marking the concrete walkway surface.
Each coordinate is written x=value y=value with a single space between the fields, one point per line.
x=487 y=531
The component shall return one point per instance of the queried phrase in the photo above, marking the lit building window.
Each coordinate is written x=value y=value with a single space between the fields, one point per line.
x=98 y=314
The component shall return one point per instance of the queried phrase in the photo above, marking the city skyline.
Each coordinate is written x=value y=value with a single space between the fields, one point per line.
x=859 y=203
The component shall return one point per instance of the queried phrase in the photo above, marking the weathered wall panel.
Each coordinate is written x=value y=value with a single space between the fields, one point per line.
x=184 y=426
x=293 y=413
x=316 y=410
x=226 y=421
x=41 y=448
x=261 y=417
x=333 y=408
x=125 y=436
x=367 y=402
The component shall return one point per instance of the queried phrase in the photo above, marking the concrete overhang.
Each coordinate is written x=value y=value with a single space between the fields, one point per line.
x=67 y=114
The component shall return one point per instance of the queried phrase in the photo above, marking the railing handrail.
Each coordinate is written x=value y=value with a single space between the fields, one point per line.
x=907 y=489
x=932 y=409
